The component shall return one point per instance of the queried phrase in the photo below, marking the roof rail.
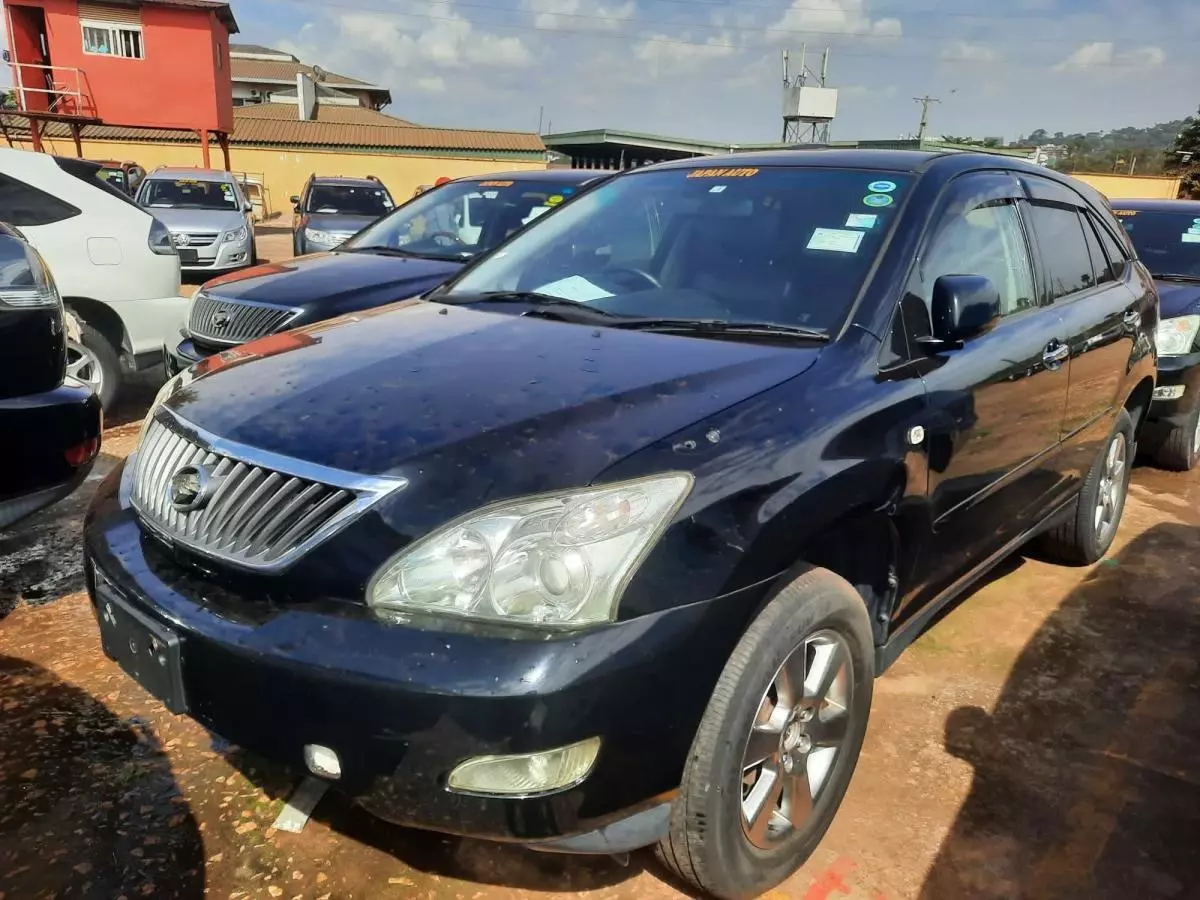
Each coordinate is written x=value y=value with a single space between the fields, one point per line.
x=374 y=179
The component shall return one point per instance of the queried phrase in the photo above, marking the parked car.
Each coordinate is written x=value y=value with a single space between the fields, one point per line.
x=125 y=176
x=114 y=264
x=210 y=219
x=604 y=543
x=50 y=421
x=416 y=248
x=330 y=210
x=1166 y=236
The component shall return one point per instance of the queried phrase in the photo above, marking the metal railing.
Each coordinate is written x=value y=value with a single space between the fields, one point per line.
x=63 y=88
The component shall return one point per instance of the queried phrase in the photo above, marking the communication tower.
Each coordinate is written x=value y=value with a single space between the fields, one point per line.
x=808 y=105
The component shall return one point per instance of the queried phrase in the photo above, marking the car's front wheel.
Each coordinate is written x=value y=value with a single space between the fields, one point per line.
x=94 y=362
x=778 y=742
x=1180 y=448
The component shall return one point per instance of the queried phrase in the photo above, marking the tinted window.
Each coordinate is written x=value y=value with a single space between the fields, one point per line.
x=188 y=193
x=1064 y=249
x=1167 y=242
x=349 y=200
x=786 y=245
x=1100 y=266
x=92 y=174
x=22 y=205
x=987 y=241
x=1115 y=254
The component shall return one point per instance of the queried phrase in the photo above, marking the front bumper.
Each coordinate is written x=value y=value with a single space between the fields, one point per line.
x=402 y=706
x=1175 y=372
x=183 y=356
x=217 y=257
x=149 y=325
x=41 y=428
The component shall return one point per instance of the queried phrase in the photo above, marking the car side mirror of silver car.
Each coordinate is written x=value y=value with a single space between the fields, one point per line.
x=962 y=307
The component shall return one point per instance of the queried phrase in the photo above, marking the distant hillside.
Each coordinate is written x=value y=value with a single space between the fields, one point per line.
x=1106 y=151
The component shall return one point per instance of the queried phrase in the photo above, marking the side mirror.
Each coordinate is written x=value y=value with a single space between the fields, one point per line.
x=963 y=307
x=295 y=200
x=247 y=206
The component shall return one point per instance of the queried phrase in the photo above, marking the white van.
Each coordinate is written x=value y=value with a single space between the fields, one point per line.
x=115 y=264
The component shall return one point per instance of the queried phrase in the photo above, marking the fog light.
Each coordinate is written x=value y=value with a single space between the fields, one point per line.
x=526 y=774
x=322 y=761
x=1169 y=392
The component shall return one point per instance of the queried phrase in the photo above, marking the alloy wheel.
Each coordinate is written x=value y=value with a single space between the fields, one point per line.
x=83 y=365
x=802 y=722
x=1112 y=485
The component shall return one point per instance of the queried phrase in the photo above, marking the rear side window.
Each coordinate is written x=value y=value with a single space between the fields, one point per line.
x=1064 y=250
x=1100 y=267
x=92 y=174
x=24 y=205
x=1117 y=258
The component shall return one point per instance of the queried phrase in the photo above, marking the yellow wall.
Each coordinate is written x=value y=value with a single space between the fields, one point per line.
x=1132 y=187
x=286 y=171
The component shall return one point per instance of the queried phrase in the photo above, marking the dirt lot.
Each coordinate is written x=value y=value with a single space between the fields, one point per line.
x=1042 y=740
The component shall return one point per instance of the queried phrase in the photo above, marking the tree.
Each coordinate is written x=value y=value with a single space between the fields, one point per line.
x=1183 y=158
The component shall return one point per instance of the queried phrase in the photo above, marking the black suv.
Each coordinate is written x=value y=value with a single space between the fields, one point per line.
x=603 y=544
x=50 y=422
x=331 y=209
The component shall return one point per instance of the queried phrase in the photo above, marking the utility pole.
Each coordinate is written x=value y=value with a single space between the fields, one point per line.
x=924 y=101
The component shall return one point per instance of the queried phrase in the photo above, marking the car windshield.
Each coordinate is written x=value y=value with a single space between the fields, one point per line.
x=787 y=246
x=1167 y=242
x=187 y=193
x=349 y=200
x=462 y=218
x=115 y=177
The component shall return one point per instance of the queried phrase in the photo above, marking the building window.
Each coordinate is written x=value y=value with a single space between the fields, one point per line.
x=112 y=40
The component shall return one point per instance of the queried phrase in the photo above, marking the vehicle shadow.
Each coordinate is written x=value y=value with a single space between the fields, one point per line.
x=1087 y=771
x=89 y=806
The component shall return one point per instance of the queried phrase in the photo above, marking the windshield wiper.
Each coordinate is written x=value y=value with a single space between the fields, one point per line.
x=378 y=248
x=1171 y=276
x=544 y=304
x=724 y=327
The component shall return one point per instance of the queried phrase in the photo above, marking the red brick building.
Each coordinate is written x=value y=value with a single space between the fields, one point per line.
x=140 y=63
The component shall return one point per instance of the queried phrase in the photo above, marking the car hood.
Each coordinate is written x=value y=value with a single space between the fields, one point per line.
x=1178 y=298
x=339 y=224
x=198 y=219
x=516 y=403
x=334 y=282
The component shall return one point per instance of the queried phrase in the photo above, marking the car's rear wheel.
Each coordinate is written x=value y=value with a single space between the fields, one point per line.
x=1180 y=449
x=778 y=743
x=1085 y=537
x=94 y=362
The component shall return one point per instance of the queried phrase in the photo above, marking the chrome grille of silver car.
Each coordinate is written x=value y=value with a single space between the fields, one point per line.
x=196 y=238
x=257 y=515
x=235 y=322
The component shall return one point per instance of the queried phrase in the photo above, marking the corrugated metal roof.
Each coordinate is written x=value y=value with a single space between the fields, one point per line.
x=224 y=13
x=278 y=70
x=257 y=49
x=335 y=115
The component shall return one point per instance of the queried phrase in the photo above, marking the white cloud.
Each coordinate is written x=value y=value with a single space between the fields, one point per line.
x=678 y=51
x=574 y=15
x=432 y=84
x=1103 y=54
x=828 y=17
x=965 y=51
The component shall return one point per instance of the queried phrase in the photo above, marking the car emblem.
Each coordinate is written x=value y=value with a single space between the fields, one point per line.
x=181 y=240
x=190 y=488
x=220 y=319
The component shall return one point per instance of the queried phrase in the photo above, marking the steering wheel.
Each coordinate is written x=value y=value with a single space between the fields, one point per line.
x=451 y=239
x=641 y=273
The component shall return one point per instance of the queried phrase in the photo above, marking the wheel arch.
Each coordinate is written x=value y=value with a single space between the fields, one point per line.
x=1137 y=404
x=103 y=318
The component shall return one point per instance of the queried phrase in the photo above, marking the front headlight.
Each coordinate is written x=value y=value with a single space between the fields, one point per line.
x=555 y=561
x=319 y=237
x=238 y=234
x=1175 y=337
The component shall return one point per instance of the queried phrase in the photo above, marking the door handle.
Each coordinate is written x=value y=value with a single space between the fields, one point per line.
x=1132 y=318
x=1055 y=353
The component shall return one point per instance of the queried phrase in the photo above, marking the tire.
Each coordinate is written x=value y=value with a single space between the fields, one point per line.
x=95 y=362
x=1085 y=537
x=1180 y=449
x=816 y=618
x=253 y=254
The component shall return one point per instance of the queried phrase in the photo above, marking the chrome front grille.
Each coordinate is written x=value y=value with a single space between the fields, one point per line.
x=235 y=322
x=261 y=511
x=195 y=238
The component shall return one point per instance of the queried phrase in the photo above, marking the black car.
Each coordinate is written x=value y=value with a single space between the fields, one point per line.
x=50 y=423
x=604 y=543
x=331 y=209
x=416 y=248
x=1166 y=236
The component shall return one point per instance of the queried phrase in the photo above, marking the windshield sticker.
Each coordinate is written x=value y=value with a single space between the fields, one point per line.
x=495 y=184
x=861 y=220
x=184 y=182
x=491 y=195
x=534 y=213
x=1195 y=229
x=878 y=201
x=1191 y=238
x=722 y=173
x=881 y=187
x=717 y=188
x=836 y=239
x=1124 y=213
x=568 y=191
x=576 y=288
x=554 y=200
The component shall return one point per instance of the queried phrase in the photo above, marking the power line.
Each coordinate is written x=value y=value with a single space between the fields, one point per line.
x=924 y=101
x=875 y=53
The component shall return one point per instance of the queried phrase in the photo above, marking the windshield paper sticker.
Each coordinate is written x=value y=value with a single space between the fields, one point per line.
x=722 y=173
x=534 y=213
x=495 y=184
x=1191 y=238
x=861 y=220
x=836 y=239
x=717 y=189
x=576 y=288
x=554 y=200
x=878 y=201
x=881 y=187
x=1124 y=213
